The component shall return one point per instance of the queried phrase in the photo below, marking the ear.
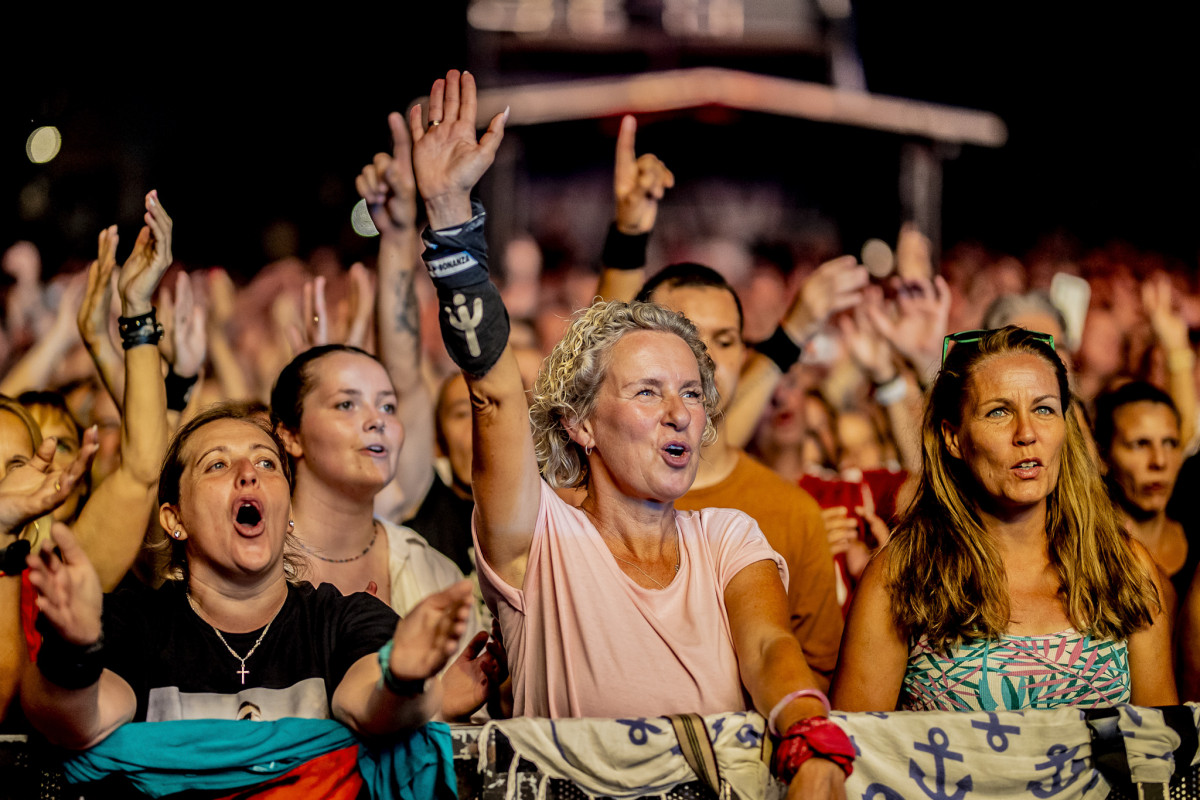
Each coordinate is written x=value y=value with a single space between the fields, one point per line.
x=168 y=517
x=950 y=439
x=291 y=443
x=581 y=433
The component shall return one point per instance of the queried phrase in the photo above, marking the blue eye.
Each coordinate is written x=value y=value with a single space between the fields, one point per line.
x=389 y=408
x=267 y=463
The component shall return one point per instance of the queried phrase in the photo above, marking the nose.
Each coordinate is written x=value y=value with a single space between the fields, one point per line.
x=246 y=474
x=677 y=414
x=1025 y=434
x=375 y=421
x=1158 y=456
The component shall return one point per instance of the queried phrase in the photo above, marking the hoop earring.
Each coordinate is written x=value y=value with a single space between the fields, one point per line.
x=588 y=451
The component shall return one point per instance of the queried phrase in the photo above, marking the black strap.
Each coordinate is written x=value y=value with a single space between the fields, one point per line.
x=697 y=749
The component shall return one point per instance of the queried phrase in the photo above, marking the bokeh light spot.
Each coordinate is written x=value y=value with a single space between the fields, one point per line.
x=877 y=257
x=360 y=220
x=43 y=144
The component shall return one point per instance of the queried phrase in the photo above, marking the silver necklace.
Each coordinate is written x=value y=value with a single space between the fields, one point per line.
x=647 y=574
x=243 y=671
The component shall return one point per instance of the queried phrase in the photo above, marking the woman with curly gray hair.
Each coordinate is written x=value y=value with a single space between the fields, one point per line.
x=621 y=606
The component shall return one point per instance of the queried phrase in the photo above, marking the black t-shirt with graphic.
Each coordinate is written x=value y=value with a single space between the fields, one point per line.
x=179 y=669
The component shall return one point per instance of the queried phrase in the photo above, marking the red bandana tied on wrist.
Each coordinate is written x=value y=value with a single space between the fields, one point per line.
x=814 y=736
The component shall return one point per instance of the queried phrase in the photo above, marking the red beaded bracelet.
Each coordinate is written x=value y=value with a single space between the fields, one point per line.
x=814 y=736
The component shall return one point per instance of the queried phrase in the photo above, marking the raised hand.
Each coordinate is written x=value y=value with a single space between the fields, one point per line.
x=1170 y=329
x=447 y=159
x=149 y=260
x=914 y=254
x=36 y=487
x=834 y=286
x=919 y=324
x=428 y=635
x=869 y=350
x=362 y=304
x=96 y=308
x=388 y=185
x=185 y=341
x=68 y=588
x=638 y=182
x=316 y=314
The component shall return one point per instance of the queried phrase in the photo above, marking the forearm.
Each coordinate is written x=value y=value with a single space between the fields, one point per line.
x=108 y=365
x=620 y=284
x=398 y=331
x=35 y=368
x=144 y=421
x=904 y=417
x=1181 y=384
x=12 y=640
x=76 y=718
x=777 y=672
x=367 y=707
x=757 y=383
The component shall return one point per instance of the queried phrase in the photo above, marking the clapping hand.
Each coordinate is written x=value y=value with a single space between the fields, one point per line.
x=149 y=260
x=36 y=487
x=428 y=635
x=68 y=588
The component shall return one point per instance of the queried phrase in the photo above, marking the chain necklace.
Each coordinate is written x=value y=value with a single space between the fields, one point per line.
x=367 y=549
x=243 y=671
x=658 y=583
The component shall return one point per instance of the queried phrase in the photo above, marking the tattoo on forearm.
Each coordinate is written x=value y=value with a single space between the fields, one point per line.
x=407 y=314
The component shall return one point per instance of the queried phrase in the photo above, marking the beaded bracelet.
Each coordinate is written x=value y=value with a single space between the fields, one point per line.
x=403 y=688
x=139 y=330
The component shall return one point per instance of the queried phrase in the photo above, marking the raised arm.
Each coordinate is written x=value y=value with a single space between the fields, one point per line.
x=95 y=317
x=1171 y=333
x=111 y=526
x=447 y=162
x=835 y=286
x=36 y=367
x=639 y=183
x=67 y=695
x=389 y=188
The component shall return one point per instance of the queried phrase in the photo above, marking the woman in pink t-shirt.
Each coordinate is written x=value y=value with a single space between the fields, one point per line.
x=622 y=606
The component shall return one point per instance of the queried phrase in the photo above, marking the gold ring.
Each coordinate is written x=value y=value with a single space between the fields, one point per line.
x=316 y=320
x=57 y=486
x=433 y=123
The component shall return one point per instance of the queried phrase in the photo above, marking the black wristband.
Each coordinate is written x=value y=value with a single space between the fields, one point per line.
x=179 y=390
x=780 y=348
x=71 y=666
x=624 y=250
x=142 y=329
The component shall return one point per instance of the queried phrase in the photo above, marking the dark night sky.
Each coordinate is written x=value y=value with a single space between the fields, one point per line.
x=242 y=125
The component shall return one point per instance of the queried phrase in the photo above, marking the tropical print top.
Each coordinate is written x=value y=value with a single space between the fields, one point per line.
x=1016 y=673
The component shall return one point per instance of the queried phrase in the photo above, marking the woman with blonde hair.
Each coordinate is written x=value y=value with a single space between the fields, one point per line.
x=1009 y=583
x=587 y=596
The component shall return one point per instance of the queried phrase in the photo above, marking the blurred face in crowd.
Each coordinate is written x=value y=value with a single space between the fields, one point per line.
x=714 y=312
x=454 y=429
x=1145 y=455
x=16 y=445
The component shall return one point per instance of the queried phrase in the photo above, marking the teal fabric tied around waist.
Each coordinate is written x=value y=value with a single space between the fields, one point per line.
x=162 y=758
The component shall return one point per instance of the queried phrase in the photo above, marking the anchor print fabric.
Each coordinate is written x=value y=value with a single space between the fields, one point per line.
x=1018 y=672
x=954 y=756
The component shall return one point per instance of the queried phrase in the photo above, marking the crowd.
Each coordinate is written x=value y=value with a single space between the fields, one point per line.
x=800 y=487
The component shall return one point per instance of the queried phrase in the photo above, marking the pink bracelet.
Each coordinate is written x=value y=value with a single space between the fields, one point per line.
x=782 y=704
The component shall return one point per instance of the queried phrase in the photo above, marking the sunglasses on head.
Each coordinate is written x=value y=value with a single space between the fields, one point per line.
x=968 y=337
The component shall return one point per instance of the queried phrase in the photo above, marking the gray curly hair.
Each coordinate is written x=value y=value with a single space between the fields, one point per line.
x=567 y=386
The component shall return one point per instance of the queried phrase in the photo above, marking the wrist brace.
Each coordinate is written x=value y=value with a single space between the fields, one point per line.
x=624 y=250
x=472 y=316
x=71 y=666
x=179 y=390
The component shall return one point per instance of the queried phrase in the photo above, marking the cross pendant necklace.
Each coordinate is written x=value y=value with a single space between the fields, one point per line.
x=243 y=672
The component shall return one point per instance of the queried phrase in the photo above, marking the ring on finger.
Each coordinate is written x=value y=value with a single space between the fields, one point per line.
x=433 y=123
x=58 y=486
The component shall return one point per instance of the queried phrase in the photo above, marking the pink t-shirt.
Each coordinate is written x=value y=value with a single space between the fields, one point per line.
x=584 y=640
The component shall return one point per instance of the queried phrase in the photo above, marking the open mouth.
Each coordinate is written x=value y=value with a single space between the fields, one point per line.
x=376 y=449
x=675 y=450
x=248 y=517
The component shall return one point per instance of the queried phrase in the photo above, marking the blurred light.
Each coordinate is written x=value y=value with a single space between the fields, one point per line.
x=360 y=220
x=34 y=200
x=877 y=257
x=514 y=16
x=43 y=144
